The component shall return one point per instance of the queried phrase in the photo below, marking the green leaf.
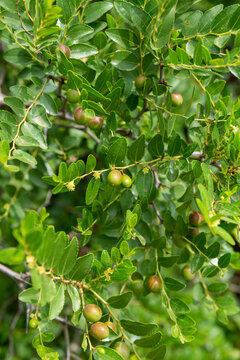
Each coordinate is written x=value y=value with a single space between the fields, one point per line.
x=105 y=259
x=12 y=256
x=117 y=152
x=156 y=147
x=224 y=234
x=73 y=292
x=138 y=328
x=39 y=117
x=158 y=353
x=16 y=105
x=196 y=263
x=56 y=305
x=223 y=261
x=174 y=145
x=167 y=261
x=124 y=60
x=164 y=31
x=24 y=157
x=123 y=37
x=79 y=51
x=68 y=259
x=4 y=151
x=120 y=301
x=77 y=31
x=136 y=149
x=96 y=10
x=34 y=132
x=217 y=287
x=91 y=163
x=45 y=336
x=92 y=190
x=48 y=289
x=149 y=341
x=213 y=250
x=173 y=284
x=47 y=353
x=67 y=10
x=185 y=321
x=82 y=267
x=49 y=104
x=144 y=183
x=30 y=296
x=178 y=306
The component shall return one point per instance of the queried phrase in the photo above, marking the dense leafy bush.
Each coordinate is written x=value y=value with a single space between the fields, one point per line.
x=120 y=198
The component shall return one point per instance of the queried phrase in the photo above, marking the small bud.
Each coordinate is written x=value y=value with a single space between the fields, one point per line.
x=71 y=186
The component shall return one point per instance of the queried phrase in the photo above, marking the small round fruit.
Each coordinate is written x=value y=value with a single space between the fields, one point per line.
x=137 y=286
x=72 y=96
x=101 y=351
x=79 y=116
x=126 y=181
x=33 y=323
x=99 y=331
x=115 y=178
x=140 y=81
x=64 y=49
x=95 y=123
x=133 y=357
x=154 y=284
x=196 y=218
x=122 y=349
x=187 y=273
x=194 y=232
x=92 y=312
x=111 y=325
x=177 y=99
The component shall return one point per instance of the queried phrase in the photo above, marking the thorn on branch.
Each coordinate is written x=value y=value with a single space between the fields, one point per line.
x=20 y=18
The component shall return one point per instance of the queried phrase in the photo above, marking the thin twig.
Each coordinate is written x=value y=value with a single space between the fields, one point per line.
x=67 y=341
x=18 y=277
x=19 y=15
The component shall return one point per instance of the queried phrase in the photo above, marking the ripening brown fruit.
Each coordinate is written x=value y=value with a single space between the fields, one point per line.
x=92 y=312
x=72 y=96
x=122 y=349
x=115 y=178
x=187 y=273
x=126 y=181
x=95 y=123
x=80 y=117
x=194 y=232
x=177 y=99
x=155 y=284
x=140 y=81
x=64 y=49
x=99 y=331
x=111 y=325
x=196 y=218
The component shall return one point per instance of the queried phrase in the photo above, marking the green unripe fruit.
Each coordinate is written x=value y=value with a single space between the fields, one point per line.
x=64 y=49
x=72 y=96
x=111 y=325
x=137 y=286
x=92 y=312
x=115 y=178
x=177 y=99
x=154 y=284
x=122 y=349
x=99 y=331
x=140 y=81
x=196 y=218
x=33 y=323
x=126 y=181
x=101 y=351
x=95 y=123
x=194 y=232
x=80 y=117
x=187 y=273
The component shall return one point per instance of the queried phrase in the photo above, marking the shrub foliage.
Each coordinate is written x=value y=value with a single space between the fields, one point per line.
x=154 y=85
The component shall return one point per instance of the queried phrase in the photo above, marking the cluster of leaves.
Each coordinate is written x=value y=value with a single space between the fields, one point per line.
x=181 y=157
